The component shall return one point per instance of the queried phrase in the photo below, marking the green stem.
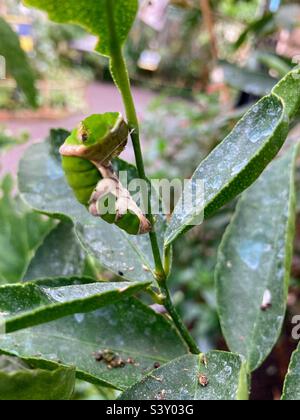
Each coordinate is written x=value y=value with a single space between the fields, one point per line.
x=184 y=332
x=120 y=74
x=121 y=78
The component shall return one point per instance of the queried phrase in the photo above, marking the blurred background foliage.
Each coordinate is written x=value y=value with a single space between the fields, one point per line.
x=207 y=61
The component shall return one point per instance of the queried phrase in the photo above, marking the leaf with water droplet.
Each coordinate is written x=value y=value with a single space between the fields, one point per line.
x=239 y=160
x=30 y=304
x=129 y=329
x=217 y=376
x=60 y=255
x=254 y=261
x=236 y=163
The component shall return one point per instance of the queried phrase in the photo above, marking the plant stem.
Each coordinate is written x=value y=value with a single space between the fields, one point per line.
x=184 y=332
x=121 y=78
x=120 y=74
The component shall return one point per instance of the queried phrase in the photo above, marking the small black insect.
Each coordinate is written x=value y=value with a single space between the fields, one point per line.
x=121 y=273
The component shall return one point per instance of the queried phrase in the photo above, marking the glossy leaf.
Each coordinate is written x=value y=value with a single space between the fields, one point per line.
x=21 y=232
x=30 y=304
x=43 y=186
x=222 y=376
x=254 y=263
x=128 y=328
x=16 y=62
x=60 y=255
x=19 y=382
x=95 y=17
x=291 y=391
x=234 y=164
x=238 y=161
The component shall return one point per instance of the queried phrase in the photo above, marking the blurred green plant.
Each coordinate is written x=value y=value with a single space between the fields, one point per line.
x=8 y=140
x=21 y=232
x=191 y=129
x=17 y=63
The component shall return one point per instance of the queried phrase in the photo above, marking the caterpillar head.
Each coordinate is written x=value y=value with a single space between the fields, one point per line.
x=98 y=138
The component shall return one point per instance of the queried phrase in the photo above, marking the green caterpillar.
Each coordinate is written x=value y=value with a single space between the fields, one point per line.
x=86 y=156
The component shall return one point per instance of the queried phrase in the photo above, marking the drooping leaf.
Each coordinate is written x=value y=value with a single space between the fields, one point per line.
x=131 y=330
x=249 y=81
x=60 y=255
x=16 y=62
x=30 y=304
x=43 y=186
x=254 y=263
x=110 y=20
x=21 y=232
x=238 y=161
x=19 y=382
x=216 y=376
x=291 y=391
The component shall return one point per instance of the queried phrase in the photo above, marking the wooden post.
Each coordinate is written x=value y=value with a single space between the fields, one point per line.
x=210 y=25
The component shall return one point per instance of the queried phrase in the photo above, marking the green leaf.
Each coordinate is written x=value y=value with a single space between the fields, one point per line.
x=180 y=380
x=21 y=232
x=128 y=328
x=239 y=160
x=30 y=304
x=60 y=255
x=95 y=17
x=16 y=62
x=288 y=89
x=43 y=186
x=234 y=164
x=254 y=263
x=19 y=382
x=291 y=391
x=249 y=81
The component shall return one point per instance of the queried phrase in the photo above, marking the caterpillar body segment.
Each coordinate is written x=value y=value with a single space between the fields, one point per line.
x=86 y=160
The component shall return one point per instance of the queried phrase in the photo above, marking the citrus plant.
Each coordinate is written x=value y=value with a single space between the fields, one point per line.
x=61 y=319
